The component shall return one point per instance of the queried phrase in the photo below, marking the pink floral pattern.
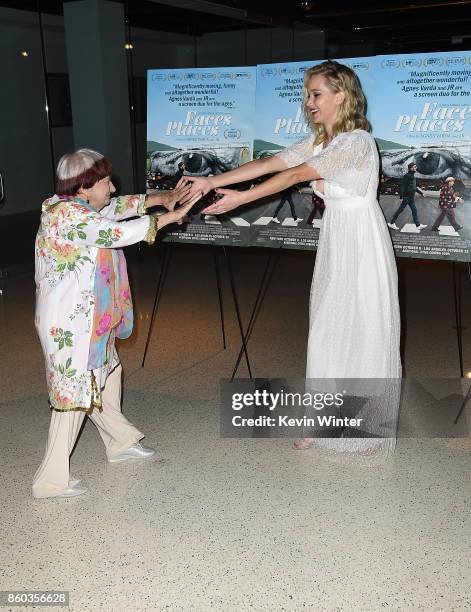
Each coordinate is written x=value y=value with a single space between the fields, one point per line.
x=104 y=324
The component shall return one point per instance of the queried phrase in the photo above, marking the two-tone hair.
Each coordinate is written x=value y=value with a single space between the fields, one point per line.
x=81 y=169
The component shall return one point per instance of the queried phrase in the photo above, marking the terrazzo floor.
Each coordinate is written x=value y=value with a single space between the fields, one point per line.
x=215 y=524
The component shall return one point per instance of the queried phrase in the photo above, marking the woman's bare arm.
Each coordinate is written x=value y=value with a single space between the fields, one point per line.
x=246 y=172
x=232 y=199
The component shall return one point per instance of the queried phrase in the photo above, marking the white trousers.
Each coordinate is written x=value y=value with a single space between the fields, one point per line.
x=117 y=433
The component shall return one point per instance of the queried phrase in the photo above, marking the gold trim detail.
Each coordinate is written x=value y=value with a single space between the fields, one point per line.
x=95 y=403
x=96 y=395
x=153 y=229
x=142 y=207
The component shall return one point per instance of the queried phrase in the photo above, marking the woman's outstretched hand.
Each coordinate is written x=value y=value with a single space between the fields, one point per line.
x=181 y=193
x=200 y=184
x=230 y=199
x=168 y=199
x=178 y=215
x=181 y=212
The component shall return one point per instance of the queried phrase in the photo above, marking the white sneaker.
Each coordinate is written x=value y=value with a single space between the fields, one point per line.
x=135 y=451
x=393 y=226
x=275 y=219
x=73 y=491
x=298 y=220
x=421 y=226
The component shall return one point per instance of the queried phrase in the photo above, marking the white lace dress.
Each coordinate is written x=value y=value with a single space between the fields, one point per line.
x=354 y=327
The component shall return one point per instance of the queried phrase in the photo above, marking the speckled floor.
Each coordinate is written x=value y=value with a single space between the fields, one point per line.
x=233 y=525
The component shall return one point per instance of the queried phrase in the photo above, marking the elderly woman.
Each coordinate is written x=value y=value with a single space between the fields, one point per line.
x=83 y=303
x=448 y=200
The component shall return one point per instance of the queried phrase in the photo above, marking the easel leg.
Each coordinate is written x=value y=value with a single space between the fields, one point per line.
x=236 y=304
x=468 y=394
x=158 y=292
x=463 y=405
x=262 y=290
x=3 y=322
x=458 y=318
x=218 y=282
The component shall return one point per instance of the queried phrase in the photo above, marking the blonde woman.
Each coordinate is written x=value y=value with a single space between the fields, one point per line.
x=354 y=326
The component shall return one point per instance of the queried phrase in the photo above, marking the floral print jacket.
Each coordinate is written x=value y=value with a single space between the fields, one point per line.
x=447 y=197
x=67 y=246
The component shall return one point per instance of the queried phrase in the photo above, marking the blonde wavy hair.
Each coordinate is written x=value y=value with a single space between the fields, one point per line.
x=352 y=111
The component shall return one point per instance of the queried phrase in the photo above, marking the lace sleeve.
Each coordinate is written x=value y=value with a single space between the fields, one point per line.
x=298 y=153
x=347 y=162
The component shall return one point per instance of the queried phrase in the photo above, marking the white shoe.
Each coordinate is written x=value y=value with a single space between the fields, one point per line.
x=135 y=451
x=275 y=219
x=393 y=226
x=421 y=226
x=73 y=491
x=298 y=220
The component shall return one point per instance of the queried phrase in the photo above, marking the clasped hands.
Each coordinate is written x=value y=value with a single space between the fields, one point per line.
x=181 y=195
x=228 y=199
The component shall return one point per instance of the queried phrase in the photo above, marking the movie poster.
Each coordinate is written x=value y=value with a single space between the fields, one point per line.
x=420 y=109
x=200 y=121
x=206 y=121
x=281 y=220
x=291 y=219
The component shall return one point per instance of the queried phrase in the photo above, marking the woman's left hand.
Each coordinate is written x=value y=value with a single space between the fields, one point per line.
x=181 y=212
x=179 y=194
x=178 y=215
x=231 y=199
x=168 y=199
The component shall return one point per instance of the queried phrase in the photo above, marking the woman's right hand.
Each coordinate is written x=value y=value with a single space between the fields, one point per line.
x=180 y=213
x=200 y=184
x=179 y=194
x=177 y=215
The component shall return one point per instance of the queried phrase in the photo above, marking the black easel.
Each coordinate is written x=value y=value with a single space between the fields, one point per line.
x=458 y=320
x=2 y=272
x=459 y=330
x=218 y=282
x=262 y=290
x=166 y=256
x=236 y=304
x=3 y=323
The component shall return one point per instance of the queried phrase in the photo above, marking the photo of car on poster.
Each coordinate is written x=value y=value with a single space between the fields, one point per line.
x=165 y=166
